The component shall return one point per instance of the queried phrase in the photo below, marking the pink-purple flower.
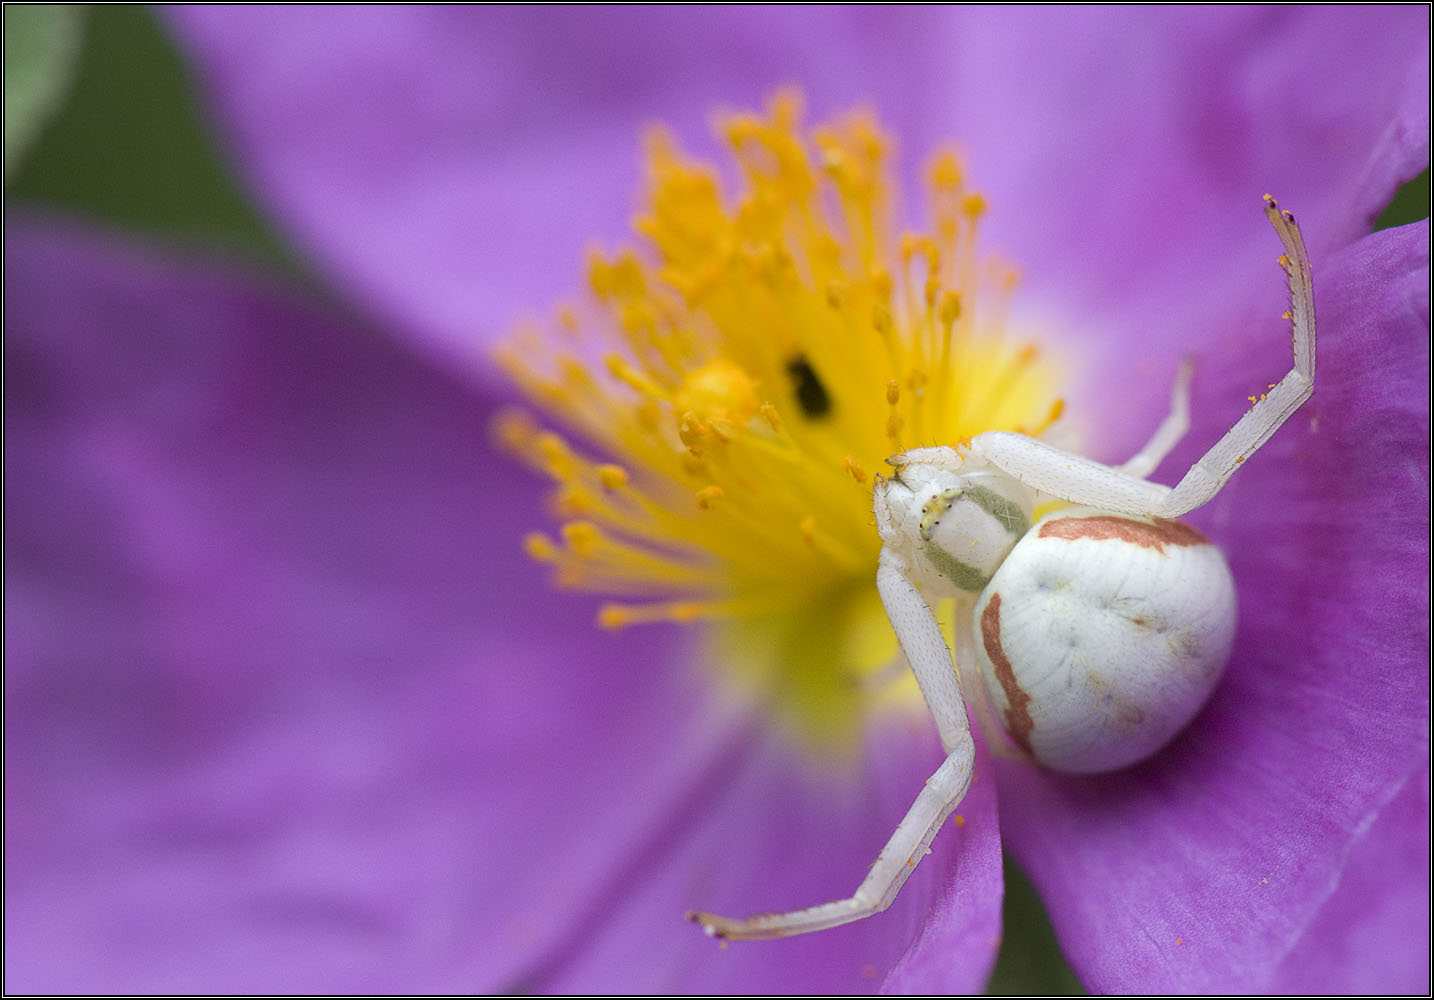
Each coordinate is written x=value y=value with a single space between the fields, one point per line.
x=288 y=710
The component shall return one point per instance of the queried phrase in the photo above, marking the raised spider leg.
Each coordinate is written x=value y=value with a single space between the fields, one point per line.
x=921 y=639
x=1082 y=481
x=1171 y=429
x=1140 y=465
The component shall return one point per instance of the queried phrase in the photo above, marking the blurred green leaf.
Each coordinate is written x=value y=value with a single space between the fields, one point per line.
x=1030 y=962
x=132 y=147
x=1409 y=204
x=42 y=45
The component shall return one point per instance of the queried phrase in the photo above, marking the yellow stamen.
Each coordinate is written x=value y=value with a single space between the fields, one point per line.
x=540 y=547
x=612 y=477
x=708 y=496
x=757 y=354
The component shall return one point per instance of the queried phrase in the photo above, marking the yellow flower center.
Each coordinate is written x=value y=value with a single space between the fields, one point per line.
x=731 y=387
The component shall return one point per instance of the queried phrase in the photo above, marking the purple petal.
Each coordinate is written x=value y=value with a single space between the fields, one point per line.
x=775 y=835
x=274 y=707
x=1125 y=158
x=1247 y=843
x=1354 y=928
x=288 y=712
x=961 y=929
x=1109 y=135
x=1104 y=128
x=448 y=167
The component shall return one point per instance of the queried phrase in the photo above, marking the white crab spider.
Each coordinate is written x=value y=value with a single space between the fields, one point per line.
x=1100 y=631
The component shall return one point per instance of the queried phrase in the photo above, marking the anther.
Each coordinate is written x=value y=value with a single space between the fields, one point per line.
x=691 y=431
x=685 y=612
x=946 y=172
x=949 y=310
x=574 y=501
x=514 y=430
x=556 y=457
x=894 y=424
x=613 y=617
x=881 y=283
x=769 y=413
x=808 y=528
x=540 y=548
x=612 y=477
x=881 y=318
x=581 y=537
x=625 y=372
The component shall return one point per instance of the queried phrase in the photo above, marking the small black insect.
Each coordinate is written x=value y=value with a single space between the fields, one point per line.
x=811 y=394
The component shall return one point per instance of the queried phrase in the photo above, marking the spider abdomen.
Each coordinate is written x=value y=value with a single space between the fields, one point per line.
x=1102 y=635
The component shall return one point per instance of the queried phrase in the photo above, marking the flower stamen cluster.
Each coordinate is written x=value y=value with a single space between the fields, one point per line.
x=745 y=372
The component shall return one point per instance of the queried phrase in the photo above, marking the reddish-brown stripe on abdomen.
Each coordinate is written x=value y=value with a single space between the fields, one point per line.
x=1105 y=526
x=1018 y=715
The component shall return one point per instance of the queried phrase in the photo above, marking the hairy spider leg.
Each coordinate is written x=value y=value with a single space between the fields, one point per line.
x=1083 y=481
x=930 y=660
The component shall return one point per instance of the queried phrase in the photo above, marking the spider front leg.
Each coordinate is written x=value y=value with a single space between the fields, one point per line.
x=1080 y=480
x=921 y=639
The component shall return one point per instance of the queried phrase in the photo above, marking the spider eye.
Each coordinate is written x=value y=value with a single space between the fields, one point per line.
x=967 y=531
